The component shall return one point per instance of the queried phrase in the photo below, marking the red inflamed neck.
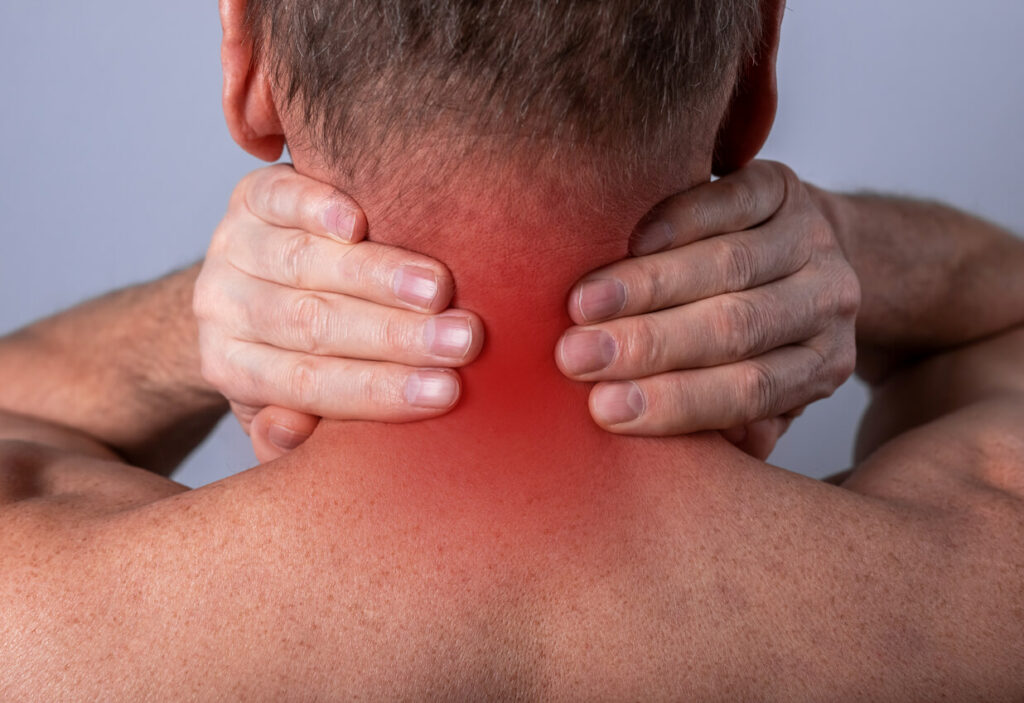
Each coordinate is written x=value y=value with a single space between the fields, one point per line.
x=514 y=253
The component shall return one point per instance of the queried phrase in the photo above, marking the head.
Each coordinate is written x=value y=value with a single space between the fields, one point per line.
x=502 y=110
x=358 y=84
x=541 y=130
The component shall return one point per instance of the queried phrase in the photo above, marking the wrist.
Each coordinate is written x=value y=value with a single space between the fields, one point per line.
x=175 y=355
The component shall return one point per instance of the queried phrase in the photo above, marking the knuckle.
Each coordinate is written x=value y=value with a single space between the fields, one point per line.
x=818 y=234
x=643 y=347
x=253 y=192
x=831 y=369
x=310 y=322
x=393 y=334
x=759 y=388
x=365 y=266
x=304 y=382
x=788 y=177
x=296 y=259
x=845 y=356
x=649 y=285
x=846 y=364
x=848 y=293
x=246 y=184
x=785 y=178
x=380 y=388
x=742 y=327
x=242 y=195
x=823 y=233
x=742 y=197
x=737 y=262
x=272 y=194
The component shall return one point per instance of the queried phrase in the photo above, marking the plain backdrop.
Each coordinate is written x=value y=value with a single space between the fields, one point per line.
x=117 y=166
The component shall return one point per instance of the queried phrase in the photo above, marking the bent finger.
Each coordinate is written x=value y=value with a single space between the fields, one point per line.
x=739 y=201
x=715 y=331
x=721 y=264
x=326 y=324
x=717 y=398
x=282 y=197
x=277 y=431
x=340 y=389
x=376 y=272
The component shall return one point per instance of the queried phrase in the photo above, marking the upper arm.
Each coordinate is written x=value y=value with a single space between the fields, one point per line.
x=990 y=370
x=43 y=463
x=957 y=417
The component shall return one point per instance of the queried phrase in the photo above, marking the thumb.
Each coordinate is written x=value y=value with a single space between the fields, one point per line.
x=277 y=431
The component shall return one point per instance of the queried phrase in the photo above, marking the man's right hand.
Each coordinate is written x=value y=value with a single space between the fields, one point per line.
x=295 y=311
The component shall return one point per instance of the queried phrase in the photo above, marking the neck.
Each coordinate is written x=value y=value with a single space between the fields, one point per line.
x=514 y=250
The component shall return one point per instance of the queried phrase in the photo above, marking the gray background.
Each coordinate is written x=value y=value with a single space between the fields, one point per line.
x=117 y=164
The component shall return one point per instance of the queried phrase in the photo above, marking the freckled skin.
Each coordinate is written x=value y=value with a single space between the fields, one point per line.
x=511 y=550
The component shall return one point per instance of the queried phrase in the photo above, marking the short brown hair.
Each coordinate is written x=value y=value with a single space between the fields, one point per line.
x=613 y=74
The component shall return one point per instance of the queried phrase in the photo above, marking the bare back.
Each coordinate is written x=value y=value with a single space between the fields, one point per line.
x=643 y=569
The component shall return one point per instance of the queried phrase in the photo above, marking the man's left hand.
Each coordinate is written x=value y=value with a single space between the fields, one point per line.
x=737 y=311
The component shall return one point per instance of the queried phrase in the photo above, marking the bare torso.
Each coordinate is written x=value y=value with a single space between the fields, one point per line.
x=624 y=569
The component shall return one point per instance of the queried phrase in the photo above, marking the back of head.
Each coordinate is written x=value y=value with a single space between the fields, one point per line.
x=518 y=142
x=620 y=82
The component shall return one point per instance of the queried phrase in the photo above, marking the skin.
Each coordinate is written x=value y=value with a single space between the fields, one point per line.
x=927 y=528
x=164 y=408
x=293 y=313
x=309 y=343
x=774 y=258
x=571 y=564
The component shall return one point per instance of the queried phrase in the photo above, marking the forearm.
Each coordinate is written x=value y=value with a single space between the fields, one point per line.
x=122 y=369
x=931 y=277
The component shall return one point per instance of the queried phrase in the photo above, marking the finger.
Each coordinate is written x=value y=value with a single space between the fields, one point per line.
x=244 y=414
x=719 y=330
x=326 y=324
x=758 y=439
x=739 y=201
x=375 y=272
x=281 y=197
x=722 y=264
x=718 y=398
x=277 y=431
x=342 y=389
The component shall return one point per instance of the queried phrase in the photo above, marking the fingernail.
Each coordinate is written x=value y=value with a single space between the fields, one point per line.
x=601 y=299
x=617 y=403
x=284 y=438
x=431 y=389
x=448 y=336
x=586 y=351
x=651 y=237
x=416 y=286
x=340 y=221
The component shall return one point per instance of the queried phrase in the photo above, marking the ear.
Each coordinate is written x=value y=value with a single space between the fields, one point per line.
x=751 y=112
x=248 y=99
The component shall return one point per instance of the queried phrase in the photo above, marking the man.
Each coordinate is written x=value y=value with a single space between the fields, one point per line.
x=511 y=549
